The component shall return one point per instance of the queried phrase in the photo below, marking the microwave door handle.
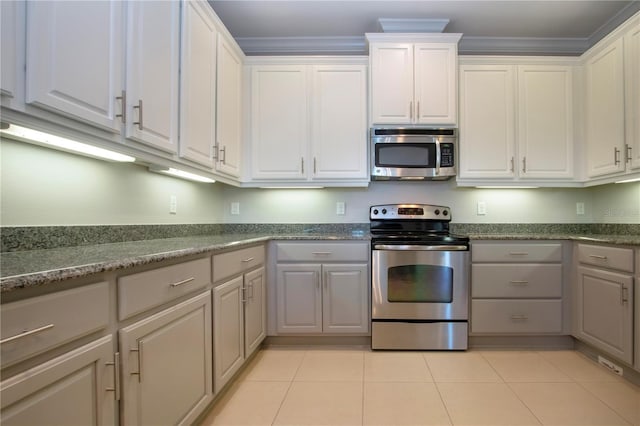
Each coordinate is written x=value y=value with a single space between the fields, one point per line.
x=437 y=156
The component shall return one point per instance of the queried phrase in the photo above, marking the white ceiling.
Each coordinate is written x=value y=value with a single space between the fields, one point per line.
x=553 y=27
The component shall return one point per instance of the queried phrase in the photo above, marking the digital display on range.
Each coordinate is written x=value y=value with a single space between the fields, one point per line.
x=411 y=211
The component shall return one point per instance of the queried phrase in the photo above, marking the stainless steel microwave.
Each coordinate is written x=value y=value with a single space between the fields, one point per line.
x=413 y=153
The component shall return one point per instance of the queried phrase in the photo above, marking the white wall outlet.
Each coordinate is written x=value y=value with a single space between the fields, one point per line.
x=580 y=208
x=482 y=208
x=235 y=208
x=340 y=208
x=173 y=204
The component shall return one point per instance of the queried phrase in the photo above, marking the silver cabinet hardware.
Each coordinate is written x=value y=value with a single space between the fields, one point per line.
x=519 y=283
x=314 y=166
x=518 y=253
x=179 y=283
x=247 y=260
x=624 y=295
x=215 y=151
x=26 y=333
x=597 y=256
x=302 y=164
x=123 y=99
x=628 y=152
x=519 y=317
x=321 y=253
x=524 y=164
x=410 y=110
x=223 y=151
x=243 y=297
x=116 y=376
x=139 y=351
x=616 y=155
x=417 y=110
x=512 y=166
x=139 y=107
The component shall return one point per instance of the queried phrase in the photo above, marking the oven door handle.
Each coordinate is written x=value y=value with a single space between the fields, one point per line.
x=419 y=248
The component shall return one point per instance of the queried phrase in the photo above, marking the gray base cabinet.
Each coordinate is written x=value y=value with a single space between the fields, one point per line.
x=166 y=364
x=77 y=388
x=228 y=330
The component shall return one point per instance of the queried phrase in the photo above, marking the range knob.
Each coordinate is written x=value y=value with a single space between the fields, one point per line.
x=437 y=212
x=384 y=211
x=445 y=212
x=375 y=211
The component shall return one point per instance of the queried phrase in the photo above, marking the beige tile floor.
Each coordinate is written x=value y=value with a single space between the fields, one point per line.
x=355 y=386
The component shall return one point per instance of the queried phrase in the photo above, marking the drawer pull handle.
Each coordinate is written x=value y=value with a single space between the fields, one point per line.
x=243 y=297
x=247 y=260
x=519 y=317
x=624 y=295
x=26 y=333
x=116 y=376
x=321 y=253
x=519 y=283
x=179 y=283
x=139 y=372
x=519 y=253
x=597 y=256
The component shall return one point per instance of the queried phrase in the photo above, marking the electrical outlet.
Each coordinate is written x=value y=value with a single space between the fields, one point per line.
x=235 y=208
x=340 y=208
x=580 y=208
x=173 y=204
x=482 y=208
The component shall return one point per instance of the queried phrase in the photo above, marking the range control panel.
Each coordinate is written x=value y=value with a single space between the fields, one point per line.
x=409 y=212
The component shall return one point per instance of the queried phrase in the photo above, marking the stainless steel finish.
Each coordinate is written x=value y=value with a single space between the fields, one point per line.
x=616 y=155
x=512 y=164
x=411 y=111
x=243 y=298
x=139 y=108
x=458 y=309
x=247 y=260
x=597 y=256
x=183 y=282
x=524 y=164
x=418 y=248
x=123 y=98
x=417 y=110
x=116 y=376
x=223 y=151
x=215 y=148
x=629 y=147
x=419 y=336
x=26 y=333
x=438 y=154
x=429 y=211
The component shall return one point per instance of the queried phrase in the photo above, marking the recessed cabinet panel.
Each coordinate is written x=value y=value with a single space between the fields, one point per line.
x=228 y=330
x=392 y=74
x=345 y=299
x=516 y=316
x=522 y=280
x=255 y=315
x=435 y=83
x=632 y=95
x=299 y=299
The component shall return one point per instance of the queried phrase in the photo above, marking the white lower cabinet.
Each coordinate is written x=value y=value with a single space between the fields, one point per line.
x=167 y=364
x=604 y=297
x=239 y=306
x=77 y=388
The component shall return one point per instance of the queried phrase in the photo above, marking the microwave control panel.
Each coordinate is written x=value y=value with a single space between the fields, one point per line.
x=446 y=155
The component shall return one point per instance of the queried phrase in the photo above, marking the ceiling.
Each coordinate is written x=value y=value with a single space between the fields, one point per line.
x=554 y=27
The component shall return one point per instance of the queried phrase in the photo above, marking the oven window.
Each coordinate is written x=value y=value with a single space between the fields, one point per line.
x=405 y=155
x=420 y=283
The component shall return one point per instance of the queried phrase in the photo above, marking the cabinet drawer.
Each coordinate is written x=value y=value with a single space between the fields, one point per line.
x=229 y=264
x=516 y=252
x=516 y=316
x=43 y=322
x=516 y=280
x=609 y=257
x=144 y=290
x=323 y=252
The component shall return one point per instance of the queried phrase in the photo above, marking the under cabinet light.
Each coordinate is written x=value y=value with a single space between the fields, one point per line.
x=629 y=180
x=506 y=187
x=40 y=138
x=181 y=174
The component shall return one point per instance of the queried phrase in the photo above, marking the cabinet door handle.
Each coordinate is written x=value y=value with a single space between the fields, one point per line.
x=321 y=253
x=599 y=257
x=26 y=333
x=518 y=253
x=624 y=295
x=179 y=283
x=243 y=298
x=410 y=110
x=317 y=279
x=302 y=164
x=215 y=151
x=223 y=151
x=139 y=107
x=247 y=260
x=616 y=155
x=629 y=147
x=314 y=166
x=512 y=165
x=116 y=376
x=524 y=164
x=519 y=317
x=140 y=354
x=417 y=110
x=519 y=283
x=123 y=105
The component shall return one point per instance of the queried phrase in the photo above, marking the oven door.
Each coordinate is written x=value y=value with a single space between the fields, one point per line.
x=415 y=283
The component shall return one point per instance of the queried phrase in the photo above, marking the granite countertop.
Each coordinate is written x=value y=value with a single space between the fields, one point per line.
x=23 y=269
x=630 y=240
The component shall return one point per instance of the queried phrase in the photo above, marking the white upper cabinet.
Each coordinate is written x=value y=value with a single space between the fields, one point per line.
x=308 y=122
x=12 y=39
x=632 y=62
x=516 y=120
x=414 y=82
x=74 y=57
x=153 y=42
x=229 y=108
x=198 y=84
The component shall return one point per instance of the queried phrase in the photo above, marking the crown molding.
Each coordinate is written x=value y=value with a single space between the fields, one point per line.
x=393 y=25
x=523 y=46
x=303 y=45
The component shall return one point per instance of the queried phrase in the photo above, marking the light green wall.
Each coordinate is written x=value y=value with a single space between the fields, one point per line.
x=41 y=186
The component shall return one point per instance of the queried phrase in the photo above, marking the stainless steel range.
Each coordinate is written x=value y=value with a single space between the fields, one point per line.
x=420 y=279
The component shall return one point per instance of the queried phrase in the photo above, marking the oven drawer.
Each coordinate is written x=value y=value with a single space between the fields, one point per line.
x=526 y=280
x=516 y=316
x=323 y=252
x=516 y=252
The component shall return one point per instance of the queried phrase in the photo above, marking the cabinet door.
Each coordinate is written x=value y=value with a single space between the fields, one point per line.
x=255 y=312
x=436 y=85
x=487 y=122
x=339 y=122
x=153 y=42
x=12 y=24
x=346 y=305
x=74 y=57
x=198 y=83
x=605 y=111
x=228 y=330
x=632 y=94
x=279 y=122
x=299 y=306
x=545 y=121
x=166 y=361
x=605 y=311
x=229 y=108
x=391 y=83
x=76 y=388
